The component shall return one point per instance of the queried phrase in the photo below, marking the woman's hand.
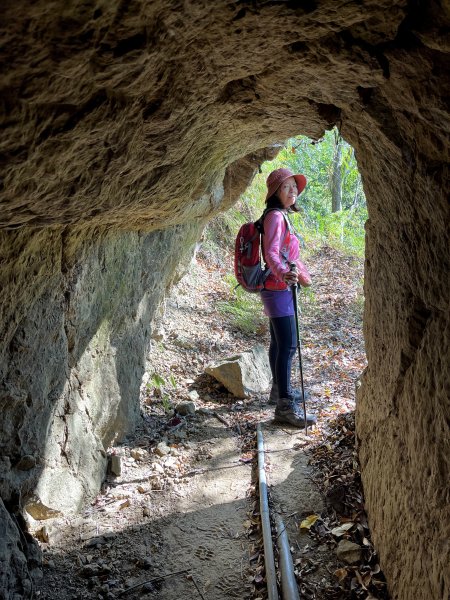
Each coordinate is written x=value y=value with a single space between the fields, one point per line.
x=290 y=278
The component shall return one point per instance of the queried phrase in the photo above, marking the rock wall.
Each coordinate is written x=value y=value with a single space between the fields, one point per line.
x=71 y=382
x=125 y=126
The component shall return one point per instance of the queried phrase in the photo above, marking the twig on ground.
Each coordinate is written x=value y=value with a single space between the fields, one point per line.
x=191 y=577
x=291 y=433
x=138 y=585
x=203 y=471
x=221 y=419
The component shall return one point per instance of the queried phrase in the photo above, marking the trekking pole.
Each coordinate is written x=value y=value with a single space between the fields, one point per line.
x=299 y=348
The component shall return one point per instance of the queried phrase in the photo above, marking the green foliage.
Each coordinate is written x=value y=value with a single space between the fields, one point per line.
x=225 y=225
x=316 y=223
x=244 y=309
x=343 y=230
x=158 y=383
x=315 y=159
x=165 y=401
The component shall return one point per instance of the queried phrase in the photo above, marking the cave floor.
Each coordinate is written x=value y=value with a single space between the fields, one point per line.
x=181 y=519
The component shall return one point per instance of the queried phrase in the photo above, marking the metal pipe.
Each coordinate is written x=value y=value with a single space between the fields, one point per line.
x=288 y=582
x=269 y=561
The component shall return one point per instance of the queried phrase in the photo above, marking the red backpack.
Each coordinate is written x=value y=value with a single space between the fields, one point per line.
x=249 y=272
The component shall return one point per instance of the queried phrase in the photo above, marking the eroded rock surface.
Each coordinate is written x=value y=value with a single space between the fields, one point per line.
x=18 y=558
x=125 y=126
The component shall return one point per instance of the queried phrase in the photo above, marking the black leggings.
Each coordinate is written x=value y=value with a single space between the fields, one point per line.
x=283 y=344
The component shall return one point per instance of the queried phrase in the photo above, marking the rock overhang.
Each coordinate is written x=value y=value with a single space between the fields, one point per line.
x=123 y=112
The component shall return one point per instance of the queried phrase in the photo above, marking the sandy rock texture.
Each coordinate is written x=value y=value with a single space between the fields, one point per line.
x=125 y=126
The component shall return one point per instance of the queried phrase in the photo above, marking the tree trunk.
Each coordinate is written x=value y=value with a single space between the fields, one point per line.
x=336 y=183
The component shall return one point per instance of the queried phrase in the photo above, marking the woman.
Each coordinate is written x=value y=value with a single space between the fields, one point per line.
x=280 y=249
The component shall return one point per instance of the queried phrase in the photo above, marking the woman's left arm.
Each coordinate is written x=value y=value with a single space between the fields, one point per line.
x=303 y=275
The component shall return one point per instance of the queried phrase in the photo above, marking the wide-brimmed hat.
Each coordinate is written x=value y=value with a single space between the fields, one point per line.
x=277 y=177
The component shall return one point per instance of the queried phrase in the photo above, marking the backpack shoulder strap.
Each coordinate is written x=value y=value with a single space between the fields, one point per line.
x=285 y=246
x=260 y=222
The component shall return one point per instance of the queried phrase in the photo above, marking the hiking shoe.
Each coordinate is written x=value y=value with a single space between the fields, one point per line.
x=292 y=415
x=296 y=394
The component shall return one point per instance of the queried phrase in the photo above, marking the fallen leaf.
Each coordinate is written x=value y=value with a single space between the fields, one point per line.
x=375 y=569
x=338 y=531
x=309 y=521
x=360 y=580
x=341 y=574
x=247 y=458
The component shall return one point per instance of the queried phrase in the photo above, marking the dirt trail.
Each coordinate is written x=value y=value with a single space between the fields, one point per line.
x=206 y=533
x=184 y=507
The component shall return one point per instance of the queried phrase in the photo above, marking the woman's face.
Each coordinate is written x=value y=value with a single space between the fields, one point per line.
x=287 y=192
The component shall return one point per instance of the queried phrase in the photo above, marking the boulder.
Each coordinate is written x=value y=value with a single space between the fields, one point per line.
x=244 y=374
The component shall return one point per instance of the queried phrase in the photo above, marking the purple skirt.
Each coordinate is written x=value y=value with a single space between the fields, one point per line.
x=278 y=304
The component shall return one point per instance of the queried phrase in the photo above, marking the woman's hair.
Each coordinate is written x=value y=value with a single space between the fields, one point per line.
x=275 y=202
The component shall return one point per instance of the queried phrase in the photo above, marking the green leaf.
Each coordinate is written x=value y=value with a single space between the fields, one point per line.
x=157 y=381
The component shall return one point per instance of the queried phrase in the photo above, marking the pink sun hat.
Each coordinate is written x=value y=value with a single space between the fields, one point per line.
x=277 y=177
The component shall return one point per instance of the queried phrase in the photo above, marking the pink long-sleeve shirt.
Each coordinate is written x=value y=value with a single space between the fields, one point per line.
x=274 y=236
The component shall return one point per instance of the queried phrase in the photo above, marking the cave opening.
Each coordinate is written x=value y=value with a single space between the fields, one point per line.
x=324 y=224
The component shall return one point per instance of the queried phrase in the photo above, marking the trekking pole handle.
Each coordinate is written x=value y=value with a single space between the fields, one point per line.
x=292 y=268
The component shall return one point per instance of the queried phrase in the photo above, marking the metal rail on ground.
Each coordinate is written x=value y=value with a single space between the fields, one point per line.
x=269 y=561
x=289 y=586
